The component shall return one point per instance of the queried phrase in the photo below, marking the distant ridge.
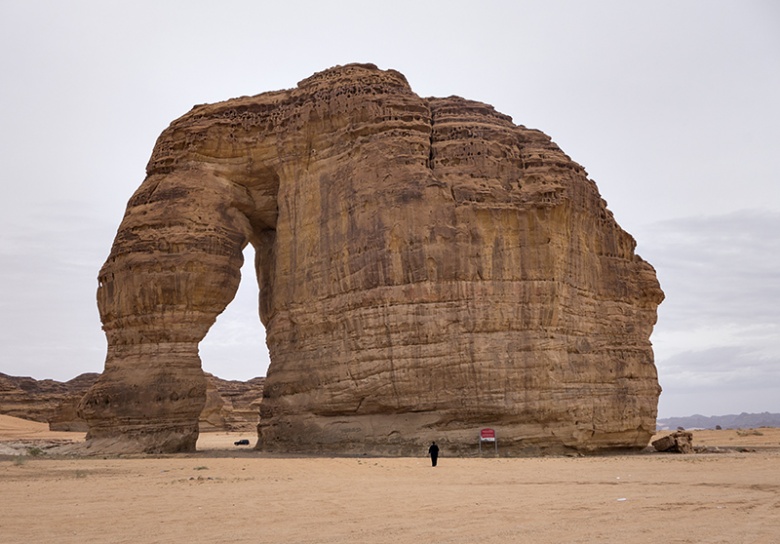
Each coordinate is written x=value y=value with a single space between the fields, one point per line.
x=741 y=421
x=231 y=405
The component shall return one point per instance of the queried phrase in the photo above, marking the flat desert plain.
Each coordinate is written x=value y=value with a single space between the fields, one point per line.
x=226 y=493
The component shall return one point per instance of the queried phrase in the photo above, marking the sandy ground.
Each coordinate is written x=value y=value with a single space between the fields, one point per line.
x=229 y=494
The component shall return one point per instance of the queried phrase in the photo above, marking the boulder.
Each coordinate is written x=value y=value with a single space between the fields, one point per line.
x=426 y=268
x=677 y=442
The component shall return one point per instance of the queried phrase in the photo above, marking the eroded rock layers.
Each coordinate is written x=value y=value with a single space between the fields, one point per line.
x=426 y=268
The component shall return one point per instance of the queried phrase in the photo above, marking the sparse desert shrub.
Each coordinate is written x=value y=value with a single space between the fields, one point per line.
x=749 y=432
x=34 y=451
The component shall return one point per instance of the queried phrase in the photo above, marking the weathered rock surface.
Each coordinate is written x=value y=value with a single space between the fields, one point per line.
x=426 y=267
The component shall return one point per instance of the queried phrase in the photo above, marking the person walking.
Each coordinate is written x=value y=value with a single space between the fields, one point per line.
x=433 y=451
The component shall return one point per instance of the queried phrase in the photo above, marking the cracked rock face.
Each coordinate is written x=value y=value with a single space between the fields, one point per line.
x=426 y=268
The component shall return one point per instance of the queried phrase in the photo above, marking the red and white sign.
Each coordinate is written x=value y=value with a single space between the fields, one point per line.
x=487 y=435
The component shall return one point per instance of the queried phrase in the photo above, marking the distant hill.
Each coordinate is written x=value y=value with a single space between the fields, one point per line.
x=741 y=421
x=39 y=400
x=230 y=405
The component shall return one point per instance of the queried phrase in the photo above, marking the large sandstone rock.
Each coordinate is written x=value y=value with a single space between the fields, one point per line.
x=426 y=267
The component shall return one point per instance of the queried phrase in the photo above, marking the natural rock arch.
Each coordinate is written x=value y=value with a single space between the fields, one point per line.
x=425 y=266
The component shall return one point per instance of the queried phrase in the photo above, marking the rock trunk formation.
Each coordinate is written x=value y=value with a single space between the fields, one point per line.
x=425 y=267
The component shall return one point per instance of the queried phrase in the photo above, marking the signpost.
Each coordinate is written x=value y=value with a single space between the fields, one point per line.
x=488 y=435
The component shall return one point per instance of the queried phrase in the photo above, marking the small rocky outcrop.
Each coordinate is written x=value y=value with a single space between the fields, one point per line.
x=66 y=416
x=426 y=268
x=677 y=442
x=231 y=405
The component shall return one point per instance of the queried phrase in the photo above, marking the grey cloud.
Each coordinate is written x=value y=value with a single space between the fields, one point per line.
x=49 y=324
x=719 y=380
x=718 y=270
x=717 y=334
x=722 y=368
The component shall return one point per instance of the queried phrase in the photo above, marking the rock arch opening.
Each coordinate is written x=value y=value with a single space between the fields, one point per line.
x=234 y=347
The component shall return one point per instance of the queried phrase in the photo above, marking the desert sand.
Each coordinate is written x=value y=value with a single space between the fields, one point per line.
x=226 y=493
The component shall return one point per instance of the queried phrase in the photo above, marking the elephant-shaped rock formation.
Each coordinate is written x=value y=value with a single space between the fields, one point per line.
x=425 y=268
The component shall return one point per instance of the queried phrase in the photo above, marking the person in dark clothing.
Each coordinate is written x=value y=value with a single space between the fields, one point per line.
x=433 y=451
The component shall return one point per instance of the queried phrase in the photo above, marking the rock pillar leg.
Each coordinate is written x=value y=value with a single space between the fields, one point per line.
x=174 y=266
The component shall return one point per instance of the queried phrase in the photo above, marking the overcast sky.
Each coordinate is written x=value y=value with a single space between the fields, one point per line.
x=673 y=108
